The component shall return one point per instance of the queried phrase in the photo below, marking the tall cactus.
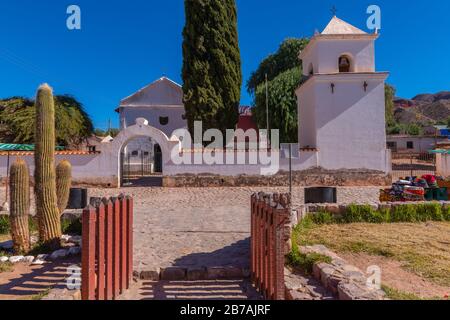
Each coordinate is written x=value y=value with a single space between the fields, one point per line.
x=19 y=182
x=45 y=173
x=63 y=182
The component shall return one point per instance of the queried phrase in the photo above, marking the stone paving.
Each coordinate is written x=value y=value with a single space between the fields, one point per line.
x=205 y=227
x=192 y=290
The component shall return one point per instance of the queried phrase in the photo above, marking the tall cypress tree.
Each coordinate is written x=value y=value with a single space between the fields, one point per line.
x=212 y=76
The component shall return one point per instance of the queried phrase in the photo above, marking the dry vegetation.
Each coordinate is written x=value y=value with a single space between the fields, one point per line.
x=422 y=248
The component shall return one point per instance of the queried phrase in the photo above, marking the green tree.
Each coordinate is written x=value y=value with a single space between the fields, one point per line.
x=389 y=92
x=283 y=102
x=284 y=73
x=17 y=115
x=284 y=59
x=212 y=76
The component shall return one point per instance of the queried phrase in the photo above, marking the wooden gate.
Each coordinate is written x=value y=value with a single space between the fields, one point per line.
x=107 y=248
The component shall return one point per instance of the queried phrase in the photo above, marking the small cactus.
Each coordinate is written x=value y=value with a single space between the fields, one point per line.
x=45 y=172
x=20 y=206
x=63 y=183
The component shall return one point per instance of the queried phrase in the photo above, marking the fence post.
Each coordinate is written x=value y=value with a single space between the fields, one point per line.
x=282 y=236
x=116 y=247
x=101 y=251
x=109 y=248
x=252 y=236
x=88 y=283
x=123 y=243
x=129 y=240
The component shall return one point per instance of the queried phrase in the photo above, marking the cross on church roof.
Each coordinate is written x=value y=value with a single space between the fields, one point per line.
x=334 y=10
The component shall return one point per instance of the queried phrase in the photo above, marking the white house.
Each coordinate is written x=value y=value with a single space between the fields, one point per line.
x=161 y=103
x=341 y=105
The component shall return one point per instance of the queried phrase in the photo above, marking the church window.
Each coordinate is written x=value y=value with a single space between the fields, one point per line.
x=164 y=121
x=134 y=153
x=410 y=145
x=344 y=64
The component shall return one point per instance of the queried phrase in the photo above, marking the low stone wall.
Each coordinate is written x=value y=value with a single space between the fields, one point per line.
x=339 y=210
x=339 y=279
x=314 y=177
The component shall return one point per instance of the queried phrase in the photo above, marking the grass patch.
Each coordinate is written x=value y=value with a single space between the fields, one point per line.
x=41 y=295
x=6 y=267
x=422 y=248
x=395 y=294
x=367 y=214
x=369 y=248
x=298 y=260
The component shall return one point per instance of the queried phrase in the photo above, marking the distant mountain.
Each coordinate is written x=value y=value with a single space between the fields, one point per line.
x=424 y=109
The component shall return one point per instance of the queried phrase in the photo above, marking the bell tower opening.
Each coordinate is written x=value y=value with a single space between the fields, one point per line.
x=345 y=64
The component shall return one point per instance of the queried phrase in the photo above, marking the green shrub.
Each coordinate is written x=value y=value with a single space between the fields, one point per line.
x=446 y=214
x=429 y=212
x=363 y=213
x=322 y=217
x=404 y=213
x=4 y=224
x=305 y=262
x=72 y=227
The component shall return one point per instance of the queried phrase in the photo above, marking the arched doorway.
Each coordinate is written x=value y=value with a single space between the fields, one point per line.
x=130 y=163
x=141 y=163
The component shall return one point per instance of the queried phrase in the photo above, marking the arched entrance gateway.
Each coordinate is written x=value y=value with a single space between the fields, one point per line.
x=140 y=152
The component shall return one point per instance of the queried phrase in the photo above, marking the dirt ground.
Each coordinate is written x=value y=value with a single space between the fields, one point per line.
x=414 y=258
x=27 y=282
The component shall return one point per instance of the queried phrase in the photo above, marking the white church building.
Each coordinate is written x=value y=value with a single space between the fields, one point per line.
x=341 y=105
x=341 y=109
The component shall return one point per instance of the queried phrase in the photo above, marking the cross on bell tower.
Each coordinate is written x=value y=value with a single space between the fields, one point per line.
x=334 y=10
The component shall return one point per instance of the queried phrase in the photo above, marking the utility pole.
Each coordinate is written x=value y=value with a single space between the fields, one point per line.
x=267 y=112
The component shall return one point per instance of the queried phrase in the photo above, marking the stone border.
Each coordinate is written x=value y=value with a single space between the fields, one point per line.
x=343 y=280
x=176 y=273
x=313 y=177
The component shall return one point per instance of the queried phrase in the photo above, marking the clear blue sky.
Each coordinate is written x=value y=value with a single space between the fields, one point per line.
x=124 y=45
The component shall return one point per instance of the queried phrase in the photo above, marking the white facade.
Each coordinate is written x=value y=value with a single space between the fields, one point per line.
x=160 y=101
x=341 y=105
x=414 y=144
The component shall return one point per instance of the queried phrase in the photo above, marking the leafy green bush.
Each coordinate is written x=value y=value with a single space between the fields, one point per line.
x=72 y=227
x=4 y=224
x=305 y=262
x=364 y=213
x=429 y=212
x=323 y=217
x=446 y=214
x=404 y=213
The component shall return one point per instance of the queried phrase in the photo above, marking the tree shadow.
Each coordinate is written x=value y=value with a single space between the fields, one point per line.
x=198 y=290
x=234 y=255
x=38 y=279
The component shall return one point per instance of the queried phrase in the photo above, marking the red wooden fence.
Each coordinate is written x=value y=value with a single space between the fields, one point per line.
x=107 y=248
x=270 y=234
